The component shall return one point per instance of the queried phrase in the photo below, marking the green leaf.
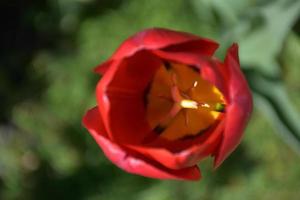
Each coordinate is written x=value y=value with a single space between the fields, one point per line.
x=261 y=46
x=271 y=97
x=260 y=30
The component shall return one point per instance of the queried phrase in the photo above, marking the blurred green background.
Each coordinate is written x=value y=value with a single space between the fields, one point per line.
x=48 y=51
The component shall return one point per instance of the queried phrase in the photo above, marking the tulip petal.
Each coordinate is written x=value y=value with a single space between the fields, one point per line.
x=240 y=105
x=191 y=151
x=124 y=160
x=200 y=47
x=158 y=38
x=120 y=96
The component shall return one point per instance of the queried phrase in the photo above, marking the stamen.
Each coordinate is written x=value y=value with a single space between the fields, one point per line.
x=192 y=87
x=195 y=83
x=205 y=105
x=186 y=118
x=174 y=79
x=189 y=104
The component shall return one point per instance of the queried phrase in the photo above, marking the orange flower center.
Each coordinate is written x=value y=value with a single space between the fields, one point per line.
x=180 y=103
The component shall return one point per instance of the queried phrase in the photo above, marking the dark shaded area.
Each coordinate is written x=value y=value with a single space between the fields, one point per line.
x=73 y=136
x=94 y=8
x=296 y=27
x=237 y=164
x=27 y=28
x=86 y=181
x=1 y=186
x=19 y=41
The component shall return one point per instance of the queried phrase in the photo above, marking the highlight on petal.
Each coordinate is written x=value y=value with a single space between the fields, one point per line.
x=132 y=163
x=240 y=105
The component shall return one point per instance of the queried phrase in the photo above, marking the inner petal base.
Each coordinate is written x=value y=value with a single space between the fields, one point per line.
x=180 y=103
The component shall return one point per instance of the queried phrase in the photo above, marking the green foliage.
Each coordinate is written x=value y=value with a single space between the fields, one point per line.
x=44 y=151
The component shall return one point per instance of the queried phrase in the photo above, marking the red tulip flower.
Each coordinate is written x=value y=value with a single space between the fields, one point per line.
x=165 y=103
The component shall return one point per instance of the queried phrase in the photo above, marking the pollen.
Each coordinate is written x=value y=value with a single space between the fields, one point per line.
x=181 y=102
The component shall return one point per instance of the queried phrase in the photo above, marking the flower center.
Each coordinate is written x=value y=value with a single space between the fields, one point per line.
x=180 y=103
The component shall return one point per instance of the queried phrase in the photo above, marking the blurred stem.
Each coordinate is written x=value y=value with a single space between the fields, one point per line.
x=270 y=95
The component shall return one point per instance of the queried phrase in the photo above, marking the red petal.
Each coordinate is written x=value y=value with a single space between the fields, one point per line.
x=199 y=47
x=120 y=96
x=158 y=38
x=103 y=67
x=190 y=155
x=93 y=122
x=210 y=71
x=240 y=105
